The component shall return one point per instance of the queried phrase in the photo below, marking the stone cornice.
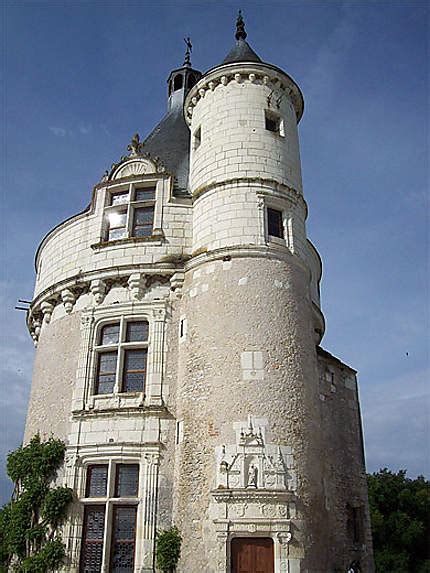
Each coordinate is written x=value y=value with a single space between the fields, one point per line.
x=264 y=74
x=260 y=182
x=136 y=278
x=252 y=494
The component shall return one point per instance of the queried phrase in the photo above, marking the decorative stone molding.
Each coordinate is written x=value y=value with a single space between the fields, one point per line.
x=177 y=281
x=98 y=288
x=69 y=299
x=36 y=328
x=253 y=463
x=281 y=85
x=47 y=309
x=136 y=284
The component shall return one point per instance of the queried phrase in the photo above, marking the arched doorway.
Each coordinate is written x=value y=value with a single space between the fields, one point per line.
x=252 y=555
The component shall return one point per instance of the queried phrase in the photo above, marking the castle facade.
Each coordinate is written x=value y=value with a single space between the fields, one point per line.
x=178 y=327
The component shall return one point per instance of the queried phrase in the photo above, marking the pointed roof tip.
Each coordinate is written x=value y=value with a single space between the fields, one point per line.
x=242 y=51
x=240 y=27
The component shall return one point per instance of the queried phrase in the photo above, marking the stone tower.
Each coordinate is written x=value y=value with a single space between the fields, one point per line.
x=178 y=323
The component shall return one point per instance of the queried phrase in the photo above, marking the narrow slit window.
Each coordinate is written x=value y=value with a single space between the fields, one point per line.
x=197 y=138
x=275 y=225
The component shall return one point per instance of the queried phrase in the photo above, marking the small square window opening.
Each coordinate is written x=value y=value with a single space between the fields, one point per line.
x=274 y=123
x=275 y=225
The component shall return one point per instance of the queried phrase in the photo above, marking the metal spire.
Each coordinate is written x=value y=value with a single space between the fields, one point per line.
x=240 y=27
x=187 y=60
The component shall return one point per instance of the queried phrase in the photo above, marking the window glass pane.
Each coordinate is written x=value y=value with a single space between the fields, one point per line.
x=123 y=539
x=127 y=480
x=96 y=481
x=92 y=541
x=119 y=198
x=137 y=331
x=274 y=223
x=117 y=234
x=145 y=194
x=117 y=220
x=134 y=371
x=143 y=215
x=106 y=373
x=109 y=334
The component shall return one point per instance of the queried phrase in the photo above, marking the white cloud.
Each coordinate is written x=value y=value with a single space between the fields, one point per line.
x=85 y=129
x=58 y=131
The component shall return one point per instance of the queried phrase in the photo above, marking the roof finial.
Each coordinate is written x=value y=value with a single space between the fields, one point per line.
x=240 y=27
x=187 y=60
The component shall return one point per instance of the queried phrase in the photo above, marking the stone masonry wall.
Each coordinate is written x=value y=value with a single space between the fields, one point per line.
x=234 y=140
x=344 y=467
x=68 y=251
x=54 y=376
x=232 y=307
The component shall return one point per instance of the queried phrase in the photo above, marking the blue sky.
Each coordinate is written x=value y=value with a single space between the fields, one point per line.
x=81 y=77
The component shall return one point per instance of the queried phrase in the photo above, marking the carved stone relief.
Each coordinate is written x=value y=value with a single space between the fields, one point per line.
x=253 y=463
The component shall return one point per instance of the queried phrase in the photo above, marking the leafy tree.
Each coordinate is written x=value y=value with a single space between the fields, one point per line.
x=29 y=537
x=400 y=514
x=168 y=549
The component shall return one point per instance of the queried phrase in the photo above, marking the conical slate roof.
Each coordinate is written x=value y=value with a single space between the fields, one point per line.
x=170 y=141
x=242 y=51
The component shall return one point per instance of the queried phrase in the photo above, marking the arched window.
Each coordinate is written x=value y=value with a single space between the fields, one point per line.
x=191 y=81
x=178 y=82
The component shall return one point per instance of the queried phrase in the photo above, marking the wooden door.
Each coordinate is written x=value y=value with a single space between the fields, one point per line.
x=252 y=555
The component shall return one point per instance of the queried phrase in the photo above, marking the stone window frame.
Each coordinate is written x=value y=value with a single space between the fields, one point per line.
x=109 y=502
x=128 y=207
x=281 y=205
x=120 y=348
x=92 y=321
x=148 y=458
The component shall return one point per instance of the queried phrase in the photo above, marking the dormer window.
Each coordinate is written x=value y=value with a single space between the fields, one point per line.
x=130 y=212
